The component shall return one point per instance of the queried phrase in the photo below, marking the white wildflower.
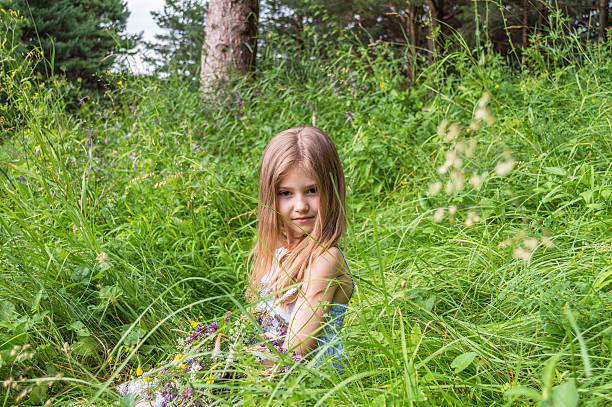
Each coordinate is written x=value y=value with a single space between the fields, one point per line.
x=439 y=215
x=472 y=218
x=484 y=99
x=547 y=242
x=530 y=243
x=453 y=132
x=435 y=188
x=444 y=167
x=102 y=258
x=504 y=168
x=476 y=181
x=522 y=254
x=458 y=179
x=442 y=127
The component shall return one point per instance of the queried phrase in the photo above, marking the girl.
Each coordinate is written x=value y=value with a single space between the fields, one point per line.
x=300 y=220
x=299 y=277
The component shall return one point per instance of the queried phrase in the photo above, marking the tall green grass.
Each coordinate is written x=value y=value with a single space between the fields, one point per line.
x=123 y=222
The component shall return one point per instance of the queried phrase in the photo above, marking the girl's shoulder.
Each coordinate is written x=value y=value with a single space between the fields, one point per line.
x=330 y=264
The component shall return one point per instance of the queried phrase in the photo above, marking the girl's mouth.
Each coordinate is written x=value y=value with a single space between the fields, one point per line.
x=302 y=220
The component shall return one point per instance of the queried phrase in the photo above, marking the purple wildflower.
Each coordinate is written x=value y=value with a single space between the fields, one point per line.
x=80 y=100
x=350 y=116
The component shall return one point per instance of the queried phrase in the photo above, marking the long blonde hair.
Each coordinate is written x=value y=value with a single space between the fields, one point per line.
x=312 y=150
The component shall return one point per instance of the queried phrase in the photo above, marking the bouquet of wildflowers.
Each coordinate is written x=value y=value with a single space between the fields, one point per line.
x=214 y=360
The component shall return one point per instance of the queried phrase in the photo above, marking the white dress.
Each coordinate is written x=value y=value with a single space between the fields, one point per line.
x=276 y=320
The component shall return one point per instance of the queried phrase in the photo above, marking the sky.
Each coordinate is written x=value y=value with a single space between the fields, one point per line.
x=141 y=20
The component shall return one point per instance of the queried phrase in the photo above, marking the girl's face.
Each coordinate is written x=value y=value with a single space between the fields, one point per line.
x=298 y=203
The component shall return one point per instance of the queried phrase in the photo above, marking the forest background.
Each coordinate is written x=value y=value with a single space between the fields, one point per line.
x=475 y=137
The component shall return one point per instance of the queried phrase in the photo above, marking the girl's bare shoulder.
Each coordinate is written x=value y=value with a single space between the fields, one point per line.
x=328 y=265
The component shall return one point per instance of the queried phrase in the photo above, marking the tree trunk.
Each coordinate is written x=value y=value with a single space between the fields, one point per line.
x=230 y=44
x=603 y=19
x=525 y=22
x=411 y=31
x=542 y=15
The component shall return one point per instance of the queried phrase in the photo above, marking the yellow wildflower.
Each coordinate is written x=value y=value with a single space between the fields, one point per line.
x=194 y=324
x=496 y=86
x=121 y=83
x=146 y=378
x=110 y=359
x=139 y=371
x=178 y=357
x=522 y=90
x=210 y=379
x=107 y=72
x=467 y=130
x=382 y=85
x=3 y=10
x=183 y=366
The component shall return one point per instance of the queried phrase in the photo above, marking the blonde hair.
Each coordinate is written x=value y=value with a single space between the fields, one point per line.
x=312 y=150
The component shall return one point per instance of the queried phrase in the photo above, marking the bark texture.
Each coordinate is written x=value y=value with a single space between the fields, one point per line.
x=603 y=19
x=230 y=44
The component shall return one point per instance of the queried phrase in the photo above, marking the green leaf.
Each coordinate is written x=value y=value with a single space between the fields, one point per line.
x=462 y=361
x=524 y=391
x=587 y=195
x=86 y=346
x=548 y=375
x=80 y=274
x=556 y=171
x=128 y=400
x=379 y=401
x=38 y=395
x=7 y=311
x=565 y=395
x=134 y=336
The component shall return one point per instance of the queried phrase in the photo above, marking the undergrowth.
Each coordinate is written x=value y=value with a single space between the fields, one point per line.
x=479 y=226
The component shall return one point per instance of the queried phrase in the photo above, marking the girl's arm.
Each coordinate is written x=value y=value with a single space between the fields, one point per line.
x=311 y=306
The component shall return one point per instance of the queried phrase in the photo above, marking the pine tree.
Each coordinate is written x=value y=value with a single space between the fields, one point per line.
x=179 y=48
x=81 y=37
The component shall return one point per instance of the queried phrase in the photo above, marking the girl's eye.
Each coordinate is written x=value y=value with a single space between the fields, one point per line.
x=284 y=193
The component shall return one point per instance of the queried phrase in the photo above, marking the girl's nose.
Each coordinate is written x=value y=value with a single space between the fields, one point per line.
x=301 y=204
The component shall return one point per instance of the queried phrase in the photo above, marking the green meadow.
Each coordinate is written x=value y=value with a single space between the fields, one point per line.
x=479 y=206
